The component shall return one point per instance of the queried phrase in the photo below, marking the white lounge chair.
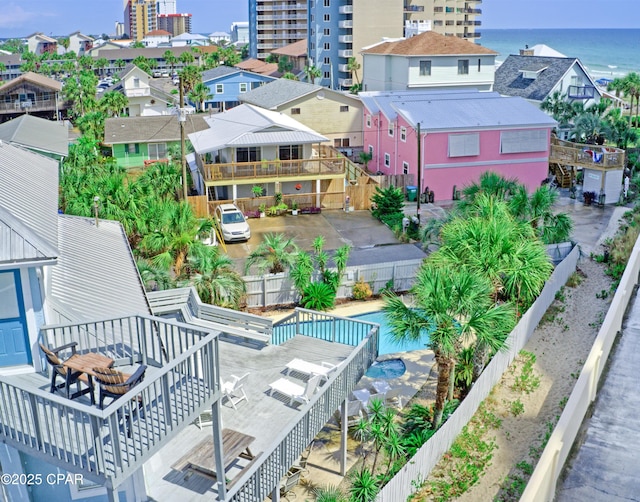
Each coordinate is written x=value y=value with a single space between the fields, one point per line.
x=294 y=391
x=354 y=413
x=306 y=368
x=234 y=390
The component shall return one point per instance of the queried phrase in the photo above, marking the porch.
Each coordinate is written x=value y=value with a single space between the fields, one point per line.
x=185 y=366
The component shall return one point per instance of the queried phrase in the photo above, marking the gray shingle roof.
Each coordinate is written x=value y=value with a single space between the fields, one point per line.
x=29 y=191
x=151 y=129
x=509 y=80
x=219 y=71
x=37 y=133
x=96 y=276
x=278 y=92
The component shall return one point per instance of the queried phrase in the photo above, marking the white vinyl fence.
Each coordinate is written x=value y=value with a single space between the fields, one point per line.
x=542 y=485
x=419 y=467
x=277 y=289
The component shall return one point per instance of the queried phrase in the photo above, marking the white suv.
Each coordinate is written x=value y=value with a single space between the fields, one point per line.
x=233 y=225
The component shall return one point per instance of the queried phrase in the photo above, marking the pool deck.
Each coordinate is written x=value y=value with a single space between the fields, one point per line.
x=324 y=461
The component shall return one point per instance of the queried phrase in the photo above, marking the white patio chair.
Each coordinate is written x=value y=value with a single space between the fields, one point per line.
x=354 y=413
x=393 y=398
x=323 y=369
x=234 y=390
x=294 y=391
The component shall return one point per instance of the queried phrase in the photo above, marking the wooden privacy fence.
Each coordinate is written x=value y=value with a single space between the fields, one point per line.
x=419 y=467
x=277 y=289
x=199 y=205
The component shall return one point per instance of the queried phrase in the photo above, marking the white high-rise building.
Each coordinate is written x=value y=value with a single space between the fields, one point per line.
x=165 y=7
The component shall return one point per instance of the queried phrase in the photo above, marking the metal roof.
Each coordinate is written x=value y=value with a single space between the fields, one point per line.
x=248 y=125
x=96 y=276
x=159 y=128
x=19 y=244
x=29 y=190
x=37 y=133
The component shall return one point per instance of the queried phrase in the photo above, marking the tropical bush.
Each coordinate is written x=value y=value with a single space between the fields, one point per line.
x=387 y=201
x=362 y=290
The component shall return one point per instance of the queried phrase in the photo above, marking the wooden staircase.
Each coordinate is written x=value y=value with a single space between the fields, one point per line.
x=563 y=175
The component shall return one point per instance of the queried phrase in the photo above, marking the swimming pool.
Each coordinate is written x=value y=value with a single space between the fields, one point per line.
x=387 y=345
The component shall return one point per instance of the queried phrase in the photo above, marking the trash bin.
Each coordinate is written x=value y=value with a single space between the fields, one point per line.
x=412 y=192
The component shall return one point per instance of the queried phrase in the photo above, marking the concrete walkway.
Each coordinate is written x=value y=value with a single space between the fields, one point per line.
x=605 y=467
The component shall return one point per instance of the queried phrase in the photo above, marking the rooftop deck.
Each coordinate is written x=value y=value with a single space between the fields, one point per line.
x=589 y=156
x=185 y=365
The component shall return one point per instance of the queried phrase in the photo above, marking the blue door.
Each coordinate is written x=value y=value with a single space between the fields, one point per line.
x=14 y=341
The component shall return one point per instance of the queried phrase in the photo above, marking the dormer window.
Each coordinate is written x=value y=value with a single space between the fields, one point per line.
x=532 y=72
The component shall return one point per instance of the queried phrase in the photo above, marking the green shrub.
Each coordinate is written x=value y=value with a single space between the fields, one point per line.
x=387 y=201
x=318 y=296
x=361 y=290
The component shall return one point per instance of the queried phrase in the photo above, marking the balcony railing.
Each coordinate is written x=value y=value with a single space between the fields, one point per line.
x=581 y=92
x=345 y=9
x=582 y=155
x=347 y=23
x=345 y=82
x=30 y=105
x=246 y=171
x=345 y=39
x=109 y=445
x=137 y=92
x=347 y=53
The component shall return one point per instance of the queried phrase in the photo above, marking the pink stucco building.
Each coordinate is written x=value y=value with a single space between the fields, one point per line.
x=462 y=134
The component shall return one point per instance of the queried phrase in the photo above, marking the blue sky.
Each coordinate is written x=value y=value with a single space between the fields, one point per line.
x=61 y=17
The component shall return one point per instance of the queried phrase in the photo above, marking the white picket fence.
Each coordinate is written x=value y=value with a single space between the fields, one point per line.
x=419 y=467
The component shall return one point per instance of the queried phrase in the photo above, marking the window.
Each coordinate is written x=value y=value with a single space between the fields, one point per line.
x=479 y=64
x=157 y=151
x=463 y=67
x=248 y=154
x=136 y=82
x=295 y=111
x=219 y=88
x=464 y=145
x=327 y=18
x=391 y=129
x=368 y=120
x=326 y=3
x=327 y=32
x=371 y=150
x=387 y=160
x=326 y=61
x=290 y=152
x=405 y=168
x=243 y=87
x=326 y=74
x=344 y=108
x=132 y=148
x=523 y=141
x=425 y=68
x=403 y=134
x=327 y=46
x=341 y=142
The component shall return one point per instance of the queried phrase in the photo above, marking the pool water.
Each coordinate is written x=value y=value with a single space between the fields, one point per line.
x=391 y=368
x=387 y=344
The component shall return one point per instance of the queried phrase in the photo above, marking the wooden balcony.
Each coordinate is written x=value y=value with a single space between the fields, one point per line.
x=273 y=170
x=109 y=445
x=37 y=105
x=598 y=157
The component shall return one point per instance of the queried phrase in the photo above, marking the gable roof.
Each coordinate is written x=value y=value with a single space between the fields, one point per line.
x=37 y=133
x=283 y=90
x=81 y=35
x=296 y=49
x=42 y=36
x=34 y=78
x=429 y=43
x=457 y=110
x=158 y=33
x=159 y=128
x=248 y=125
x=223 y=71
x=96 y=276
x=29 y=193
x=510 y=81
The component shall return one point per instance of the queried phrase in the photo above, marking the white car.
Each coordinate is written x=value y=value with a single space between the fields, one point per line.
x=233 y=225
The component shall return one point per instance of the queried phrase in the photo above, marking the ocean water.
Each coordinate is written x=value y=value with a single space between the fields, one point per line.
x=605 y=52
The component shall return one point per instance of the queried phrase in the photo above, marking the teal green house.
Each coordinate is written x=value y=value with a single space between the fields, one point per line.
x=137 y=141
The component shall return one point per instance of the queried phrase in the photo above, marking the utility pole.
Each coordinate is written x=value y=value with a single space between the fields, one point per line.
x=182 y=117
x=419 y=174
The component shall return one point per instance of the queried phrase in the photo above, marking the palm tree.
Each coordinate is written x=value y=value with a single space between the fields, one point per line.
x=186 y=58
x=199 y=94
x=312 y=73
x=353 y=66
x=190 y=76
x=590 y=128
x=101 y=64
x=170 y=59
x=120 y=63
x=452 y=305
x=112 y=103
x=631 y=86
x=557 y=106
x=213 y=275
x=274 y=254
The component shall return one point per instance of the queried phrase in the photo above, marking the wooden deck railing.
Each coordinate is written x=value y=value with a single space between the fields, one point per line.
x=582 y=155
x=109 y=445
x=30 y=106
x=273 y=169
